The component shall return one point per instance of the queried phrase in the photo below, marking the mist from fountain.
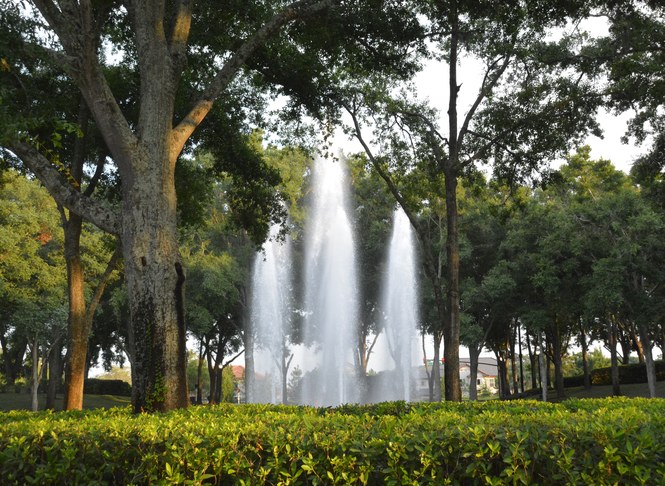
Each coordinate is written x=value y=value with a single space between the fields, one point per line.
x=269 y=311
x=331 y=293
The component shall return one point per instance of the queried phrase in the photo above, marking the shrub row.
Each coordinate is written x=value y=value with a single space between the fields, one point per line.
x=628 y=374
x=95 y=386
x=607 y=441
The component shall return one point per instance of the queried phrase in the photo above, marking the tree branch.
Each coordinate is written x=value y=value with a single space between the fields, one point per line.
x=63 y=192
x=180 y=33
x=202 y=107
x=101 y=285
x=485 y=89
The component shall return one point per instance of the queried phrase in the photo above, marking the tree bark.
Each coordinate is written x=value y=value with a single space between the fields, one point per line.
x=78 y=331
x=451 y=328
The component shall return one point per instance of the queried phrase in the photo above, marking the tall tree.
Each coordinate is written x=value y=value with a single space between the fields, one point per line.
x=31 y=275
x=508 y=122
x=146 y=142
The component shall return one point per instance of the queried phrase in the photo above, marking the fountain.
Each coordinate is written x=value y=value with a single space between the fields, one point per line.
x=270 y=296
x=329 y=306
x=400 y=307
x=330 y=291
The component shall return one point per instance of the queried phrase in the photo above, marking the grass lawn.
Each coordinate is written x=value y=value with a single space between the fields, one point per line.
x=23 y=401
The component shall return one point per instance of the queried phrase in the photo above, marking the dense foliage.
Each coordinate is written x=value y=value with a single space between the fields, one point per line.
x=610 y=441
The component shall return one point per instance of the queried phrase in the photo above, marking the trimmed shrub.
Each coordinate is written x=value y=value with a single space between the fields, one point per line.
x=95 y=386
x=573 y=381
x=605 y=441
x=628 y=374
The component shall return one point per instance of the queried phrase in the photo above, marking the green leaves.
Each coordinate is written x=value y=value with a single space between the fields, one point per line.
x=608 y=441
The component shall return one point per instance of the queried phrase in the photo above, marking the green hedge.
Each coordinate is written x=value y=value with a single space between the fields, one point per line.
x=573 y=381
x=628 y=374
x=95 y=386
x=607 y=441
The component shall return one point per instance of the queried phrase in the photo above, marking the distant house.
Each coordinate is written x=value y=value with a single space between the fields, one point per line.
x=487 y=374
x=487 y=377
x=239 y=377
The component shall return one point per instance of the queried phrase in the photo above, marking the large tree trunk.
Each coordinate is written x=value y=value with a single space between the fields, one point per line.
x=77 y=347
x=155 y=285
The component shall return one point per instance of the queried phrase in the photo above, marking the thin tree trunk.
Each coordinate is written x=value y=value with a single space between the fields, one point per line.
x=585 y=357
x=533 y=361
x=648 y=357
x=286 y=364
x=616 y=390
x=435 y=376
x=450 y=168
x=35 y=375
x=543 y=367
x=248 y=337
x=519 y=337
x=557 y=354
x=55 y=373
x=513 y=361
x=625 y=341
x=199 y=372
x=474 y=353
